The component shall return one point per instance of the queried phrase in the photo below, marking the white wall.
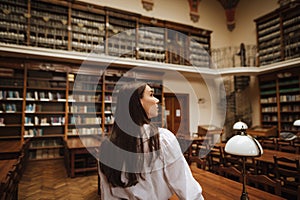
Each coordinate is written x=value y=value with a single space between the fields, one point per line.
x=246 y=12
x=197 y=86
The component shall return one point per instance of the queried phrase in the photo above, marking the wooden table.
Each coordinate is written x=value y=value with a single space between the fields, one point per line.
x=10 y=149
x=266 y=160
x=268 y=154
x=216 y=187
x=210 y=132
x=85 y=146
x=259 y=131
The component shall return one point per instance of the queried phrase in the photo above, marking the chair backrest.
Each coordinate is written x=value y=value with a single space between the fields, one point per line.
x=286 y=145
x=231 y=172
x=201 y=162
x=269 y=143
x=288 y=172
x=262 y=181
x=215 y=158
x=285 y=167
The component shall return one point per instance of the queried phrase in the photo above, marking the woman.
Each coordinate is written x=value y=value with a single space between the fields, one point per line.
x=139 y=160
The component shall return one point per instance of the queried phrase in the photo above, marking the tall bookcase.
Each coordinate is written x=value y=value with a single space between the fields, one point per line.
x=48 y=102
x=280 y=99
x=11 y=99
x=278 y=34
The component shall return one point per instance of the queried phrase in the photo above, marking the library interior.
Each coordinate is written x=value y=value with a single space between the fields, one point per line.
x=225 y=75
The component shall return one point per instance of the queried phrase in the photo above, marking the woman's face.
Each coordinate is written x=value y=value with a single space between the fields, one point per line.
x=149 y=102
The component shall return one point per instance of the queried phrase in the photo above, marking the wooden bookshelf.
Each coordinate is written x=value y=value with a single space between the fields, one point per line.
x=11 y=99
x=85 y=101
x=280 y=99
x=88 y=28
x=48 y=102
x=278 y=34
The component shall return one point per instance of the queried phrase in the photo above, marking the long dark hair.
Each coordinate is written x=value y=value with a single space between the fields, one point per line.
x=124 y=150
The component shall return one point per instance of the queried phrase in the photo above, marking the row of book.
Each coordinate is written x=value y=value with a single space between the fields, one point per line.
x=33 y=132
x=269 y=109
x=290 y=108
x=83 y=109
x=44 y=121
x=46 y=143
x=31 y=108
x=85 y=131
x=89 y=98
x=289 y=118
x=84 y=120
x=44 y=154
x=86 y=86
x=8 y=108
x=10 y=94
x=270 y=118
x=268 y=100
x=45 y=96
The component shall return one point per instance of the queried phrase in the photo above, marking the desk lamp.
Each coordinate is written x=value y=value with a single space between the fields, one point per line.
x=297 y=122
x=245 y=146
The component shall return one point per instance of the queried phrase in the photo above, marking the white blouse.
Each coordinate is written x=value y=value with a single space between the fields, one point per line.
x=168 y=175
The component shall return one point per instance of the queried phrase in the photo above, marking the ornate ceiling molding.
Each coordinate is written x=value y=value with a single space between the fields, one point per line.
x=148 y=4
x=194 y=10
x=229 y=6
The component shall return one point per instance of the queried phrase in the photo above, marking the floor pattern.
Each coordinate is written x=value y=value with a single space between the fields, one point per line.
x=48 y=180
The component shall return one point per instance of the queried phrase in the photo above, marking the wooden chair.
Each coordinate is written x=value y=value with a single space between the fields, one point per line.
x=200 y=162
x=232 y=160
x=231 y=172
x=10 y=187
x=265 y=183
x=269 y=143
x=286 y=146
x=215 y=158
x=288 y=172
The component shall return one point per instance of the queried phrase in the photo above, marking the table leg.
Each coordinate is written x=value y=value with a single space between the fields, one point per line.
x=72 y=164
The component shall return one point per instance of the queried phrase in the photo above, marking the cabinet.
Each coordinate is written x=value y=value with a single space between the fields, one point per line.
x=45 y=103
x=121 y=34
x=151 y=43
x=11 y=100
x=84 y=102
x=83 y=27
x=14 y=22
x=280 y=99
x=48 y=25
x=45 y=109
x=88 y=30
x=199 y=50
x=278 y=34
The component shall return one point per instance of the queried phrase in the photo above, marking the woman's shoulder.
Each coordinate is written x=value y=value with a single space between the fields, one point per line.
x=169 y=146
x=166 y=134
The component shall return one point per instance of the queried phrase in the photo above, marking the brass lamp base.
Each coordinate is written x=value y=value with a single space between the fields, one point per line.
x=244 y=196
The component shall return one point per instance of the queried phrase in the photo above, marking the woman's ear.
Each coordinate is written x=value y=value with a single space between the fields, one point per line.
x=142 y=102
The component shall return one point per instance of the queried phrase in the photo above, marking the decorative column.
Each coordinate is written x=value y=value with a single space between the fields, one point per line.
x=194 y=10
x=229 y=6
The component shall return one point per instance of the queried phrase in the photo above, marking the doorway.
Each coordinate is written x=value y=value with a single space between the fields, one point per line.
x=177 y=113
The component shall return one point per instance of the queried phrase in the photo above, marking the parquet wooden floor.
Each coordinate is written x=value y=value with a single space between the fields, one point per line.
x=48 y=180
